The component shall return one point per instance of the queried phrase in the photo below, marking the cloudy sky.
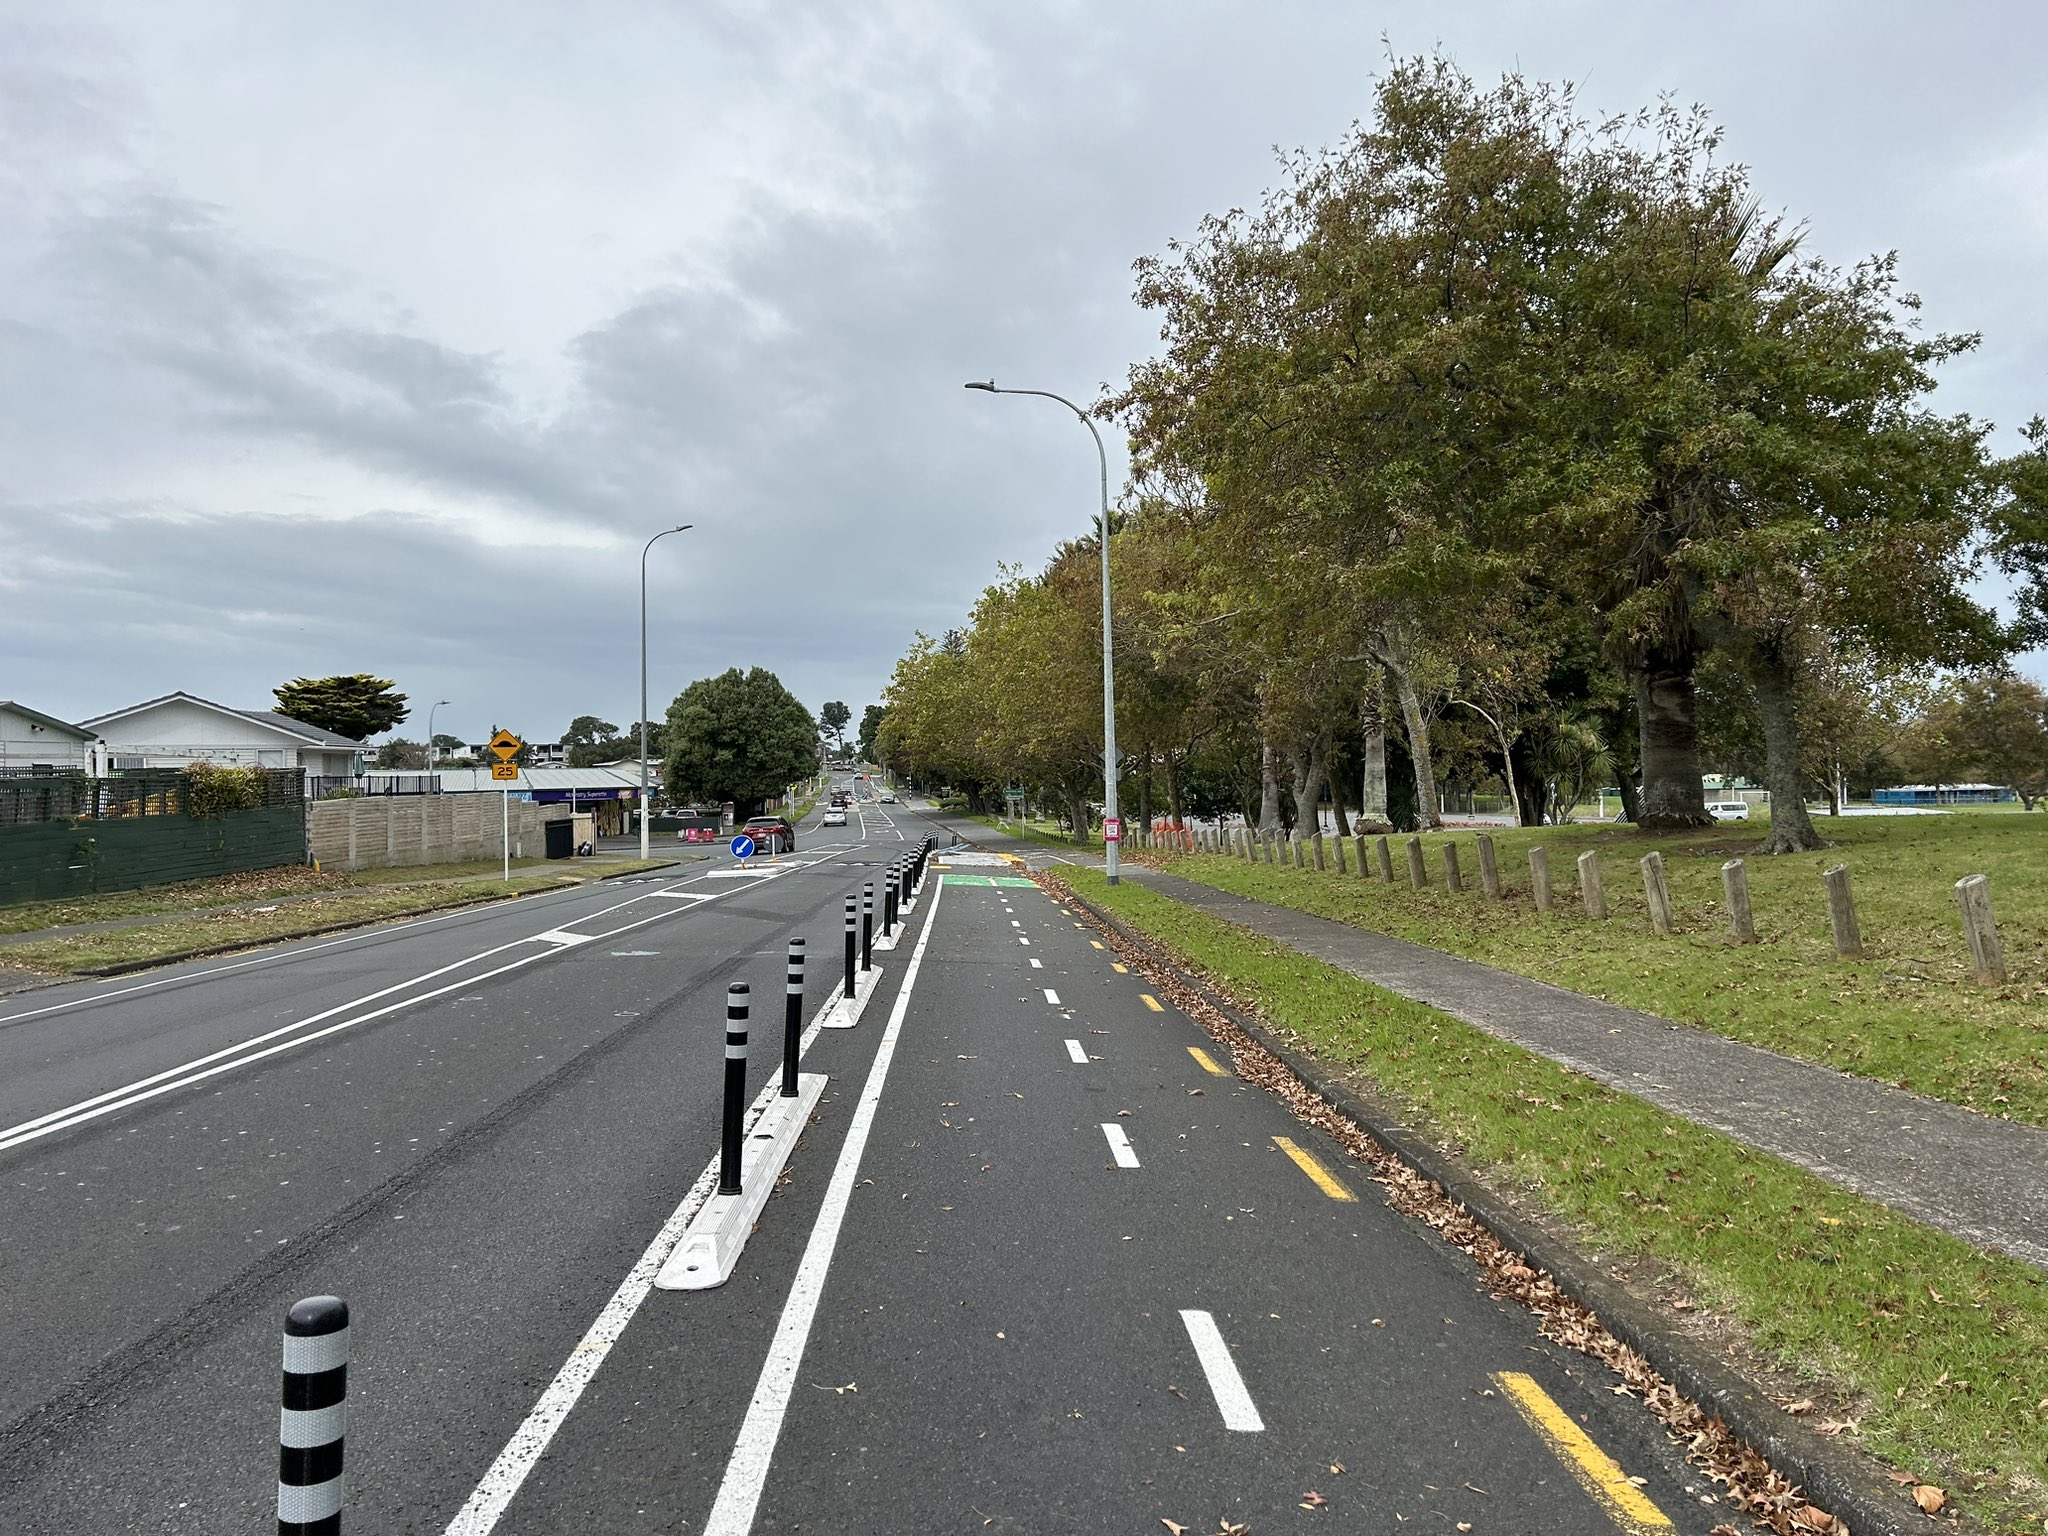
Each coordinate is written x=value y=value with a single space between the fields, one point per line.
x=379 y=336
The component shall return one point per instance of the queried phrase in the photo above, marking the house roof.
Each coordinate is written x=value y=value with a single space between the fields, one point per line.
x=455 y=781
x=48 y=722
x=311 y=734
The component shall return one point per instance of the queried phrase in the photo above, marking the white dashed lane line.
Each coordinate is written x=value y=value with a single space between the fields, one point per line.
x=1076 y=1054
x=1119 y=1145
x=1052 y=997
x=1233 y=1398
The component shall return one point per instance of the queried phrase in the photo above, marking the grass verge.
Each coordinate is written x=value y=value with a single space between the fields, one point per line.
x=345 y=904
x=1907 y=1013
x=1039 y=831
x=1926 y=1351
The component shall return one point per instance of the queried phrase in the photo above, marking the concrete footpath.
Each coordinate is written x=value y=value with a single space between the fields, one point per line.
x=1953 y=1169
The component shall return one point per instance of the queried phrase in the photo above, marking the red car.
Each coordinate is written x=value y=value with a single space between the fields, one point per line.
x=771 y=834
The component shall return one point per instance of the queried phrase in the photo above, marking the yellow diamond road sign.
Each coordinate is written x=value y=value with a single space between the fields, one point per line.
x=505 y=746
x=504 y=770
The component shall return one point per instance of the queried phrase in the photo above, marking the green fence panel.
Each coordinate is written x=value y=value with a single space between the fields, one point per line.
x=45 y=860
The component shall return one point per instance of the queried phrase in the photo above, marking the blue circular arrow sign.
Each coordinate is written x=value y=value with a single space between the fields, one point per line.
x=743 y=847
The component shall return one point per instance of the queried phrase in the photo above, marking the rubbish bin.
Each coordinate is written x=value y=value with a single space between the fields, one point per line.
x=561 y=837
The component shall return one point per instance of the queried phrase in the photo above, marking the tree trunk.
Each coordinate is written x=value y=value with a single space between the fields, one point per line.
x=1173 y=789
x=1372 y=788
x=1337 y=802
x=1077 y=810
x=1428 y=818
x=1308 y=789
x=1145 y=788
x=1667 y=717
x=1269 y=790
x=1770 y=679
x=1530 y=790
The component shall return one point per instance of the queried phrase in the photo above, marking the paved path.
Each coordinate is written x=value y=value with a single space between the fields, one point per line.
x=1962 y=1172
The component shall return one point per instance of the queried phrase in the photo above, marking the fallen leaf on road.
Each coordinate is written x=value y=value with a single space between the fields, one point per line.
x=1336 y=1469
x=1804 y=1405
x=1312 y=1500
x=1929 y=1498
x=1173 y=1525
x=1902 y=1477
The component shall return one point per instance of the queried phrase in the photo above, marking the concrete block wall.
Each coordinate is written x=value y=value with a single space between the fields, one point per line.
x=392 y=831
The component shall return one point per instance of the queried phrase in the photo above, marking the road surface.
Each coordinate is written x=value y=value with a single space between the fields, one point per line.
x=1040 y=1263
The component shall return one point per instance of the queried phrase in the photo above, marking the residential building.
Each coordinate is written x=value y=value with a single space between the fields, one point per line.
x=182 y=728
x=33 y=742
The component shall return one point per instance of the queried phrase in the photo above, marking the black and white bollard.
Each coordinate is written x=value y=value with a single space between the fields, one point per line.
x=890 y=883
x=311 y=1427
x=792 y=1018
x=735 y=1087
x=867 y=925
x=852 y=946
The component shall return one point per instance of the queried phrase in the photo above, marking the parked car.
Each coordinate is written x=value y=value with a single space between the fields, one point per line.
x=835 y=816
x=771 y=834
x=1728 y=810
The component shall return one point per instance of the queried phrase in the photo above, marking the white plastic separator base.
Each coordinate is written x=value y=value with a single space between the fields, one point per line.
x=846 y=1012
x=887 y=941
x=712 y=1242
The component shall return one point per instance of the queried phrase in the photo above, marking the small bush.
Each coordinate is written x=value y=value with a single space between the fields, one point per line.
x=213 y=790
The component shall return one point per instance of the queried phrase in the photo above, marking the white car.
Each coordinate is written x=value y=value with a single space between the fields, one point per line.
x=835 y=816
x=1728 y=810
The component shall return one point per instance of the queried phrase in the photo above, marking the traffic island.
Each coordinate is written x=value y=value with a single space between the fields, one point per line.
x=711 y=1244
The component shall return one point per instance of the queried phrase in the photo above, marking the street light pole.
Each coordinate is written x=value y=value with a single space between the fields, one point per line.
x=679 y=528
x=1109 y=753
x=430 y=733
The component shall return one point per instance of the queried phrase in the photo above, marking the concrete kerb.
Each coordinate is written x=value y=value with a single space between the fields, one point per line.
x=1834 y=1476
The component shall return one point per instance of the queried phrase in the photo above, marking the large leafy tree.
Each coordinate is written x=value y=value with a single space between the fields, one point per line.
x=355 y=706
x=740 y=736
x=591 y=740
x=870 y=727
x=833 y=720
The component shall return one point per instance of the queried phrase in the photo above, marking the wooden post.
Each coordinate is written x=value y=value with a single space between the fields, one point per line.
x=1337 y=843
x=1385 y=859
x=1842 y=911
x=1453 y=882
x=1489 y=871
x=1539 y=877
x=1364 y=866
x=1418 y=874
x=1319 y=851
x=1244 y=846
x=1987 y=955
x=1735 y=888
x=1300 y=843
x=1591 y=892
x=1657 y=891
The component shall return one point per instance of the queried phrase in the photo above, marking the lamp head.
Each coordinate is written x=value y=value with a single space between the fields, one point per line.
x=682 y=527
x=990 y=386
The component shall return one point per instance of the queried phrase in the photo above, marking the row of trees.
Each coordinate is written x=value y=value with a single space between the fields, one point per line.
x=1501 y=441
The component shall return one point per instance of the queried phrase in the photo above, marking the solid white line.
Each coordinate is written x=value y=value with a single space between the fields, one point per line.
x=746 y=1473
x=1233 y=1400
x=1076 y=1054
x=493 y=1493
x=1119 y=1145
x=1052 y=997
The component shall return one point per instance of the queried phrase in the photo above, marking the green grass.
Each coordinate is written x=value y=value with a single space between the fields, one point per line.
x=153 y=941
x=1939 y=1352
x=1908 y=1013
x=1039 y=830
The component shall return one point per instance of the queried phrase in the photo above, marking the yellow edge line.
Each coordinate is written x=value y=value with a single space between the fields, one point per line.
x=1120 y=969
x=1095 y=943
x=1206 y=1062
x=1311 y=1165
x=1626 y=1504
x=1152 y=1002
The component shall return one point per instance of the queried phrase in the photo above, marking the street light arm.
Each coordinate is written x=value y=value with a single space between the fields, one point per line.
x=679 y=528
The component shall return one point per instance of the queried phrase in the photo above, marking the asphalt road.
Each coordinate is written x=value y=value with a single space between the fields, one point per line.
x=1034 y=1266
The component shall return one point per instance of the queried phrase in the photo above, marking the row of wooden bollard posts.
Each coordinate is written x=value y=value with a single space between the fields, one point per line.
x=1973 y=892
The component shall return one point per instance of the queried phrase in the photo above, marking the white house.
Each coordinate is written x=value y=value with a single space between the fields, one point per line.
x=181 y=728
x=31 y=740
